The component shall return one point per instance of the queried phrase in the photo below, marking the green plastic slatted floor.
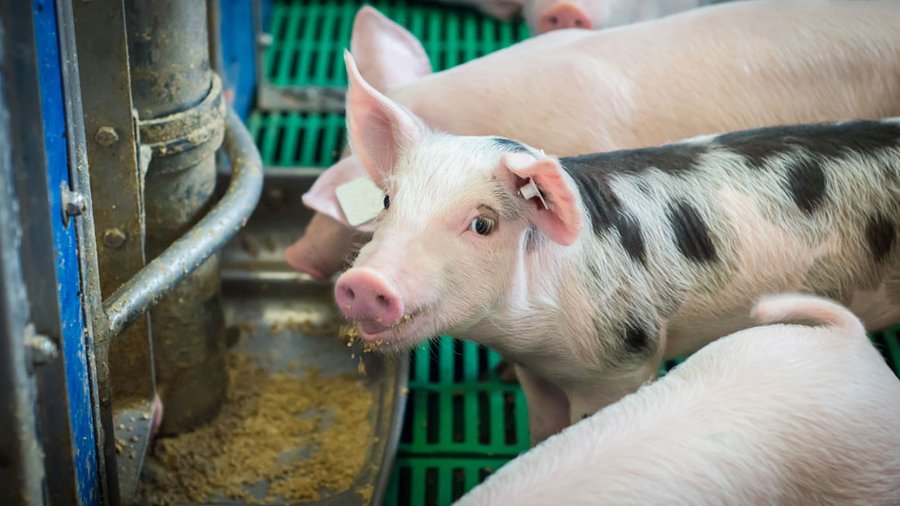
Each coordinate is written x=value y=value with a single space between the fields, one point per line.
x=462 y=422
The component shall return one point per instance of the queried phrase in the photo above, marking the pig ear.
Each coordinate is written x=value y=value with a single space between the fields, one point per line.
x=561 y=219
x=389 y=55
x=379 y=129
x=322 y=195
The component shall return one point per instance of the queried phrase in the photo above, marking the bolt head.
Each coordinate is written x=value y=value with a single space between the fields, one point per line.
x=114 y=238
x=43 y=349
x=106 y=136
x=75 y=204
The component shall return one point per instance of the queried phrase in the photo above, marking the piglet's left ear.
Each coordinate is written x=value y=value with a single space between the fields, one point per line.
x=561 y=220
x=379 y=129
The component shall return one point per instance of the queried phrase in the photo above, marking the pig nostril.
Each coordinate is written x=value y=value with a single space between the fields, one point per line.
x=578 y=22
x=553 y=20
x=383 y=301
x=348 y=292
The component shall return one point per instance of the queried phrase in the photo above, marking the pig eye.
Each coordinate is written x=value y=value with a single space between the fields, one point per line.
x=481 y=226
x=387 y=202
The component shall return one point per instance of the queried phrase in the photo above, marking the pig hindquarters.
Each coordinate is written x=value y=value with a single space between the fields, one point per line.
x=778 y=414
x=617 y=260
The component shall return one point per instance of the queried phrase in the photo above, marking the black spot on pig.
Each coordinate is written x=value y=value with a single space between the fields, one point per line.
x=636 y=338
x=601 y=203
x=880 y=233
x=824 y=139
x=592 y=175
x=511 y=145
x=671 y=159
x=691 y=234
x=630 y=235
x=806 y=183
x=606 y=212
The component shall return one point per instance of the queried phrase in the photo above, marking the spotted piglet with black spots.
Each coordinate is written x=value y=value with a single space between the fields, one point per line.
x=588 y=271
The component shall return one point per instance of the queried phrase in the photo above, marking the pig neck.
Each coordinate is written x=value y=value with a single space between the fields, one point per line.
x=556 y=313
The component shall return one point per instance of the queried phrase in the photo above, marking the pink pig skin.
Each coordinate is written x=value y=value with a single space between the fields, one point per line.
x=776 y=414
x=735 y=66
x=328 y=240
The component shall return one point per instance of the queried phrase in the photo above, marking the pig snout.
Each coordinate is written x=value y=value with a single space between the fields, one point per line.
x=366 y=297
x=564 y=15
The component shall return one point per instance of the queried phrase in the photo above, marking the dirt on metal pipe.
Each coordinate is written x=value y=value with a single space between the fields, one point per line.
x=181 y=120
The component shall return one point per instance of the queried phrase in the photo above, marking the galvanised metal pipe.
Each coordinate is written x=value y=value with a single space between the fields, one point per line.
x=208 y=236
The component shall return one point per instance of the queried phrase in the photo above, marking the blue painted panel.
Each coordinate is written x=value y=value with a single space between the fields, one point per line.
x=68 y=281
x=238 y=53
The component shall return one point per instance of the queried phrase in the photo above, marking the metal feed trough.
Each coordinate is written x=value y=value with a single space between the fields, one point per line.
x=131 y=193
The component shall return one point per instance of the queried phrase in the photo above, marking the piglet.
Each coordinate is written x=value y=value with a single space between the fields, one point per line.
x=776 y=414
x=730 y=67
x=587 y=271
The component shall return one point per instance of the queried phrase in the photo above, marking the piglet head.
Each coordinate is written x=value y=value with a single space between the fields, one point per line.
x=460 y=213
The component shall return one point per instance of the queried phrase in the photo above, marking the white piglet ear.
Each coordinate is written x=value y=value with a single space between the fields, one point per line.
x=556 y=212
x=379 y=129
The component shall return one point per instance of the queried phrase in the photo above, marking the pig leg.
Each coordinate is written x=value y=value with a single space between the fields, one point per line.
x=324 y=248
x=548 y=407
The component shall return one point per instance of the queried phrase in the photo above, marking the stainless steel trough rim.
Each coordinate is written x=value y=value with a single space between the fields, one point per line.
x=209 y=235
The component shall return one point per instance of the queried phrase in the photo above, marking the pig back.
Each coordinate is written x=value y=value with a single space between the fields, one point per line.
x=729 y=67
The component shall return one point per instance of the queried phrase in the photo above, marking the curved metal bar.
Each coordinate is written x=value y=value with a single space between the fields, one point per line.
x=209 y=235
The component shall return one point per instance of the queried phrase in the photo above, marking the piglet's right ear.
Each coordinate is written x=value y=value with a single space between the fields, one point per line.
x=379 y=129
x=561 y=219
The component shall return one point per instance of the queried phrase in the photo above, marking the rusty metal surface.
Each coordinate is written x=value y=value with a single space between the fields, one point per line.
x=85 y=232
x=168 y=46
x=181 y=111
x=124 y=369
x=185 y=138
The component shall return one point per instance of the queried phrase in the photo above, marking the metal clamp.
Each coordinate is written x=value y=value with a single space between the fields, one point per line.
x=195 y=132
x=161 y=275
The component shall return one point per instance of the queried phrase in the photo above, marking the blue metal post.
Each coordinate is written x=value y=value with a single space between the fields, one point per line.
x=68 y=282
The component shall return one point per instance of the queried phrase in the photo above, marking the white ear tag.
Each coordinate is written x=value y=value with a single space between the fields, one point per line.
x=530 y=190
x=360 y=199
